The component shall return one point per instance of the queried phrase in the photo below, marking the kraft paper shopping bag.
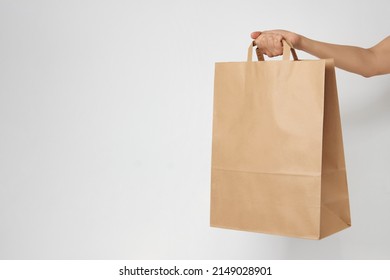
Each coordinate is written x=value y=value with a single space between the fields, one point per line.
x=277 y=151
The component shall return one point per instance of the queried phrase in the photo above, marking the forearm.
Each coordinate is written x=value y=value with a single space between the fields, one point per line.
x=350 y=58
x=365 y=62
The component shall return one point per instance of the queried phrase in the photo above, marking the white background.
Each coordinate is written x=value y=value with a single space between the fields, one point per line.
x=105 y=127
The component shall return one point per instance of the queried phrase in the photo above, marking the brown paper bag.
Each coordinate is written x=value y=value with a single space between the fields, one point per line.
x=277 y=153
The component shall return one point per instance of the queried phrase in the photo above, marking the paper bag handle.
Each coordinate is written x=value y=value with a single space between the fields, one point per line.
x=287 y=50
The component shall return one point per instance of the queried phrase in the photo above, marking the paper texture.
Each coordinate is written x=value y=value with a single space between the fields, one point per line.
x=277 y=152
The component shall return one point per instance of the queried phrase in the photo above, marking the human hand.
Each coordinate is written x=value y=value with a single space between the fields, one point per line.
x=270 y=42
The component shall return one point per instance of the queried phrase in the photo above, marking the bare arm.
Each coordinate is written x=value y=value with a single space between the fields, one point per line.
x=366 y=62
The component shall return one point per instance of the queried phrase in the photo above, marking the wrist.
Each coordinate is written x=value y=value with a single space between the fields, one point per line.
x=300 y=42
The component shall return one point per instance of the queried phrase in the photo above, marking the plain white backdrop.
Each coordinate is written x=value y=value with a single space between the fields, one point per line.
x=105 y=127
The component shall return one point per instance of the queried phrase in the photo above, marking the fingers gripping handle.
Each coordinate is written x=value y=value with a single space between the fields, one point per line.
x=287 y=50
x=260 y=56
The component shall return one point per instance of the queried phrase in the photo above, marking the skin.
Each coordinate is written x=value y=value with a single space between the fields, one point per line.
x=366 y=62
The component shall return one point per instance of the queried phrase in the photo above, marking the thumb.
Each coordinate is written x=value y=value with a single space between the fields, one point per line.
x=255 y=34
